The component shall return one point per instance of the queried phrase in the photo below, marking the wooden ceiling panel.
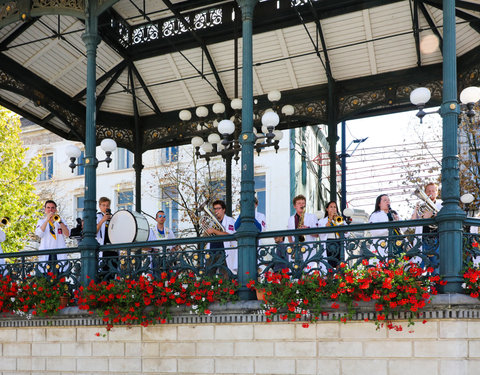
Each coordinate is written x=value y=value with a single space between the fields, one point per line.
x=309 y=71
x=201 y=92
x=343 y=30
x=172 y=97
x=350 y=62
x=391 y=19
x=120 y=102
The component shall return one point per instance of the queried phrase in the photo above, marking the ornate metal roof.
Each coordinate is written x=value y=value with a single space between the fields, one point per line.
x=157 y=57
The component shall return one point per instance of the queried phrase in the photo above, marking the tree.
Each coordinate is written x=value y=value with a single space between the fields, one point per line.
x=18 y=200
x=189 y=183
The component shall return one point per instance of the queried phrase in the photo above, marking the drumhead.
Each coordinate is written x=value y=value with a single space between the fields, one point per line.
x=126 y=227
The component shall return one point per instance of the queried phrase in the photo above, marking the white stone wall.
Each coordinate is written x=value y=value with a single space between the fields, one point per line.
x=443 y=347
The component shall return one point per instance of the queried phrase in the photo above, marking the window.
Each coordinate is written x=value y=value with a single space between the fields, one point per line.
x=261 y=192
x=81 y=168
x=169 y=155
x=124 y=158
x=79 y=206
x=218 y=190
x=170 y=207
x=47 y=164
x=125 y=200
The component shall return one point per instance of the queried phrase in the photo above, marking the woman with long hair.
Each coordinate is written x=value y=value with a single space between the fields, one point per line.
x=382 y=213
x=332 y=240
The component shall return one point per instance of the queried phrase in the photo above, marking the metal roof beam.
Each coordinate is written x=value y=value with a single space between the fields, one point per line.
x=112 y=72
x=14 y=35
x=102 y=96
x=459 y=13
x=145 y=88
x=416 y=34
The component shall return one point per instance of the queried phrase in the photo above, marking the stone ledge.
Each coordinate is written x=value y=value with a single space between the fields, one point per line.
x=444 y=306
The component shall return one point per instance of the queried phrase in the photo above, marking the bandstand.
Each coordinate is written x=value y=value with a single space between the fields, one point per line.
x=89 y=70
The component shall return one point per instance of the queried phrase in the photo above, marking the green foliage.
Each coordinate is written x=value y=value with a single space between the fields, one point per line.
x=18 y=200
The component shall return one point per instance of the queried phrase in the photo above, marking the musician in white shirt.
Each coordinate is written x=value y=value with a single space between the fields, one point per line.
x=228 y=224
x=430 y=245
x=160 y=232
x=382 y=213
x=309 y=220
x=52 y=233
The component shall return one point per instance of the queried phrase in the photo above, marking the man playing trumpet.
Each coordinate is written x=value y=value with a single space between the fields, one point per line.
x=52 y=232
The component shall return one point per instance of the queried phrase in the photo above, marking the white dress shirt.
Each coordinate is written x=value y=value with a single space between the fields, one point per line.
x=47 y=241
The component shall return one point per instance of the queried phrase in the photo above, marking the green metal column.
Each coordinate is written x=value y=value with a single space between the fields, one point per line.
x=246 y=234
x=450 y=216
x=89 y=244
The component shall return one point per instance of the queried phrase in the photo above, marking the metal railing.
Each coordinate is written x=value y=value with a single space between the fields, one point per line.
x=351 y=245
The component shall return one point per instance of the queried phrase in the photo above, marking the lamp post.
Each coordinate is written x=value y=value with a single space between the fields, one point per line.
x=451 y=217
x=73 y=152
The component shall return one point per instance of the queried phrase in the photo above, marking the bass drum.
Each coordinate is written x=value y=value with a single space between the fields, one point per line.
x=127 y=227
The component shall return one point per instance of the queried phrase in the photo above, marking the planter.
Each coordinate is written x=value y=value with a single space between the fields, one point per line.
x=260 y=294
x=64 y=301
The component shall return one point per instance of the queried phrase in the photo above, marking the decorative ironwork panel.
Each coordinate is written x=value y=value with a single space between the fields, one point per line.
x=122 y=30
x=144 y=34
x=8 y=9
x=471 y=77
x=353 y=103
x=7 y=81
x=23 y=269
x=471 y=250
x=67 y=4
x=312 y=109
x=124 y=137
x=201 y=20
x=325 y=256
x=135 y=262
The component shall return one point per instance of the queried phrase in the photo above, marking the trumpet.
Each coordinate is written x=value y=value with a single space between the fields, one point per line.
x=337 y=220
x=56 y=218
x=4 y=222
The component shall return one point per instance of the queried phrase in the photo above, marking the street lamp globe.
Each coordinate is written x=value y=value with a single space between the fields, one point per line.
x=218 y=108
x=236 y=104
x=420 y=96
x=73 y=151
x=108 y=145
x=226 y=127
x=288 y=110
x=270 y=119
x=185 y=115
x=201 y=111
x=214 y=138
x=274 y=96
x=197 y=141
x=470 y=95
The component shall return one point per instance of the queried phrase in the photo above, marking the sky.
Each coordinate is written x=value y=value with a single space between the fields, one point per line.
x=393 y=148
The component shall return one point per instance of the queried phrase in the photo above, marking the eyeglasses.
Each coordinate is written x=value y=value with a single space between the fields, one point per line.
x=159 y=216
x=217 y=208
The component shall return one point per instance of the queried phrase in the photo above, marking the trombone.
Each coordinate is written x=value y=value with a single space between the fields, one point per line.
x=4 y=222
x=56 y=218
